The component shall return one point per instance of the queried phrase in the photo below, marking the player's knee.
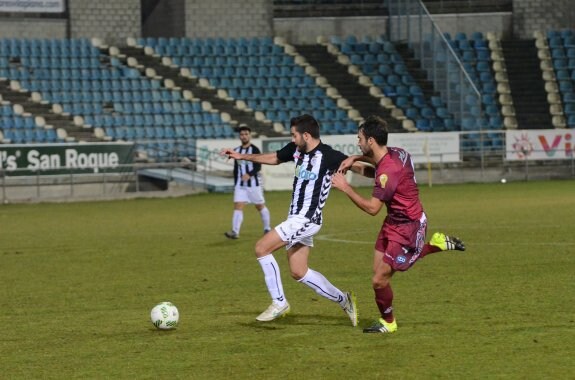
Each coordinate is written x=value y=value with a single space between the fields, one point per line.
x=379 y=282
x=297 y=274
x=262 y=249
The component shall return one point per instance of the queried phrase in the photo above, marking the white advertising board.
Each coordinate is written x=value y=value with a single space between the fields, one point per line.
x=424 y=147
x=36 y=6
x=540 y=144
x=208 y=152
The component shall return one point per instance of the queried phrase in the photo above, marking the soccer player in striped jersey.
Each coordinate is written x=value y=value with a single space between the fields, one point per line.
x=401 y=240
x=315 y=163
x=247 y=186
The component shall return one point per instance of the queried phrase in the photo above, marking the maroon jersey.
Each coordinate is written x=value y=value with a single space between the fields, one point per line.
x=395 y=185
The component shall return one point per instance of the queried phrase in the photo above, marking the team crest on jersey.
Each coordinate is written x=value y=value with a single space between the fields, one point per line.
x=382 y=180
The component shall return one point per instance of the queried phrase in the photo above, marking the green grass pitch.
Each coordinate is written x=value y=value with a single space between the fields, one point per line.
x=79 y=281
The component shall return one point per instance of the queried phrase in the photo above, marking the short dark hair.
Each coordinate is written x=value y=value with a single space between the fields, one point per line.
x=306 y=123
x=375 y=127
x=244 y=128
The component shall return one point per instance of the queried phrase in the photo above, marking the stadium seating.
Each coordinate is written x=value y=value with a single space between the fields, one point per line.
x=106 y=93
x=378 y=59
x=18 y=127
x=557 y=53
x=256 y=71
x=476 y=58
x=125 y=104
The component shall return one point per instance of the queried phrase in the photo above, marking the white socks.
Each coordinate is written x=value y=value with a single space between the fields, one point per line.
x=273 y=279
x=313 y=279
x=237 y=220
x=322 y=286
x=265 y=214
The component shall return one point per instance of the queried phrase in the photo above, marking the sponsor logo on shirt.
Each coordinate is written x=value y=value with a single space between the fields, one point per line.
x=304 y=174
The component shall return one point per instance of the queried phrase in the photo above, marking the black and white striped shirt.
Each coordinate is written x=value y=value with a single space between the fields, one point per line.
x=242 y=167
x=312 y=179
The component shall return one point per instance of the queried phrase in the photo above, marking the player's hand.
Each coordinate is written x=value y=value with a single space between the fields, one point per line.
x=346 y=164
x=246 y=177
x=230 y=153
x=339 y=182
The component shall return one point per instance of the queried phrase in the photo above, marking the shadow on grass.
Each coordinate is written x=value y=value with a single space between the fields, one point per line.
x=294 y=320
x=162 y=332
x=233 y=243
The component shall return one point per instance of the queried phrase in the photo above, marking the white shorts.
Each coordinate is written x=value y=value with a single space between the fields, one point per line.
x=297 y=229
x=253 y=195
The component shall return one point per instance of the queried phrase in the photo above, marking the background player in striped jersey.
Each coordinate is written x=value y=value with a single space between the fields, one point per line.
x=315 y=164
x=401 y=240
x=247 y=186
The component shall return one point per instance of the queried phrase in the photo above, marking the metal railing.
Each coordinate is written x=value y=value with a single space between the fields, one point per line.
x=130 y=181
x=411 y=23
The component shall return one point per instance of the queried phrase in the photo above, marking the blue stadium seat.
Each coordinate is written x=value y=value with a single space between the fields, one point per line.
x=423 y=125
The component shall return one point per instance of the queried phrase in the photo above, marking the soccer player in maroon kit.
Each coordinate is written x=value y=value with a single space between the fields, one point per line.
x=401 y=240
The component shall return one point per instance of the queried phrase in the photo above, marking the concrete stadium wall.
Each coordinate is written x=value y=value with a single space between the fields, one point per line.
x=115 y=20
x=532 y=15
x=33 y=28
x=305 y=30
x=229 y=19
x=111 y=20
x=500 y=23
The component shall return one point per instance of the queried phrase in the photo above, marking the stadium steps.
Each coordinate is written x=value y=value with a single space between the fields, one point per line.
x=192 y=84
x=526 y=84
x=64 y=121
x=414 y=68
x=347 y=85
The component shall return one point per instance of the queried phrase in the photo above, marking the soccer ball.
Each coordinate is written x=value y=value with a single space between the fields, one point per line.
x=165 y=316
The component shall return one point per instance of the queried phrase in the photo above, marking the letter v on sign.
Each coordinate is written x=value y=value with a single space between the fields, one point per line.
x=549 y=150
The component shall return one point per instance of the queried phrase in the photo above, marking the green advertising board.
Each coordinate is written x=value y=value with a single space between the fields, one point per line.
x=51 y=159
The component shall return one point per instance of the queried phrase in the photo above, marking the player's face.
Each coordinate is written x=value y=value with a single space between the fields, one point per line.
x=245 y=137
x=299 y=140
x=363 y=144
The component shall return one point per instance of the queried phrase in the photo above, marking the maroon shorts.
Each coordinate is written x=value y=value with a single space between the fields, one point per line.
x=401 y=244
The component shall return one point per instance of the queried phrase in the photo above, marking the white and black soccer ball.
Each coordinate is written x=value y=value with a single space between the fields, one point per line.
x=165 y=316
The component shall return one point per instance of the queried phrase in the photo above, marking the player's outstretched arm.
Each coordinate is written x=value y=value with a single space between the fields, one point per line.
x=260 y=158
x=349 y=162
x=371 y=206
x=364 y=169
